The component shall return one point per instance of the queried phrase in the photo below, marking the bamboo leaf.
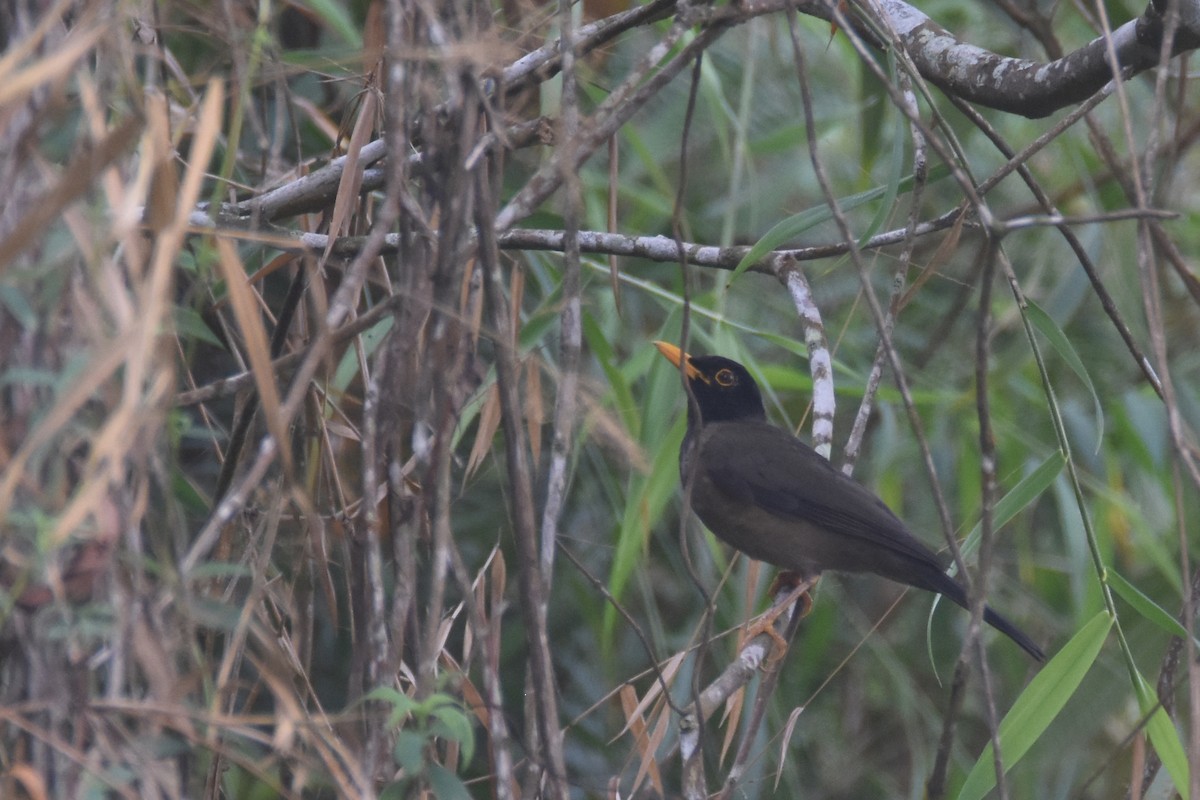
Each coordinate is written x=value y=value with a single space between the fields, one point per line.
x=1039 y=704
x=1059 y=341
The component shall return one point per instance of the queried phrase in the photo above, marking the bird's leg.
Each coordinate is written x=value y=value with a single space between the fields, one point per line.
x=797 y=586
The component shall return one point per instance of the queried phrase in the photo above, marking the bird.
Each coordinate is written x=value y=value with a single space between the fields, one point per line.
x=766 y=493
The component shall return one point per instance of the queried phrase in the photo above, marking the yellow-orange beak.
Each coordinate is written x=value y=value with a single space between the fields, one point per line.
x=675 y=356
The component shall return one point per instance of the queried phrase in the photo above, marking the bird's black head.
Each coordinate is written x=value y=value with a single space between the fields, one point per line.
x=723 y=388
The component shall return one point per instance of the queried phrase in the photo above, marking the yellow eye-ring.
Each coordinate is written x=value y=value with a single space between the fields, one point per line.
x=725 y=378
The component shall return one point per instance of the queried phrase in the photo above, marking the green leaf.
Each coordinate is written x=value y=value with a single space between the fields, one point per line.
x=446 y=785
x=215 y=614
x=787 y=229
x=398 y=790
x=625 y=405
x=220 y=569
x=873 y=105
x=1149 y=609
x=454 y=725
x=1163 y=736
x=337 y=18
x=18 y=305
x=409 y=751
x=192 y=326
x=1027 y=490
x=347 y=368
x=895 y=165
x=1039 y=704
x=643 y=508
x=402 y=705
x=1059 y=341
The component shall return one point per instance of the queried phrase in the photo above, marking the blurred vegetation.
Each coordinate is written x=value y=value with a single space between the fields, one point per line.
x=306 y=633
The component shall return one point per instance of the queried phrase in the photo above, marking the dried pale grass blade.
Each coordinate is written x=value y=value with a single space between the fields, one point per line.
x=21 y=49
x=75 y=181
x=535 y=410
x=480 y=576
x=53 y=66
x=351 y=182
x=204 y=136
x=499 y=582
x=636 y=725
x=374 y=38
x=753 y=570
x=788 y=729
x=485 y=432
x=669 y=671
x=258 y=353
x=30 y=779
x=91 y=497
x=335 y=757
x=316 y=115
x=99 y=370
x=445 y=626
x=474 y=701
x=147 y=379
x=517 y=293
x=274 y=265
x=665 y=717
x=733 y=714
x=164 y=177
x=940 y=256
x=606 y=429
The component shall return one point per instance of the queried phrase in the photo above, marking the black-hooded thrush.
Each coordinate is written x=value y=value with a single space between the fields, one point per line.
x=771 y=496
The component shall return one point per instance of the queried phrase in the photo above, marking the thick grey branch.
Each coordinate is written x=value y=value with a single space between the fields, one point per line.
x=1029 y=88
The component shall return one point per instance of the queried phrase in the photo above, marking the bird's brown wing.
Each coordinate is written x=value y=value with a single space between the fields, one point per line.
x=838 y=522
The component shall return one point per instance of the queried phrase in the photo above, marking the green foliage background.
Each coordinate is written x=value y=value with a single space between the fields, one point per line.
x=870 y=681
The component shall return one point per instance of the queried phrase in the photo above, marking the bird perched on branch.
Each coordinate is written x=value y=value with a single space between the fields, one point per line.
x=766 y=493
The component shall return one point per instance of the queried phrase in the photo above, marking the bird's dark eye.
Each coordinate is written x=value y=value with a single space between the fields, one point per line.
x=725 y=378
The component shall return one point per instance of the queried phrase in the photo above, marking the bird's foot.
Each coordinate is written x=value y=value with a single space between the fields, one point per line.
x=797 y=588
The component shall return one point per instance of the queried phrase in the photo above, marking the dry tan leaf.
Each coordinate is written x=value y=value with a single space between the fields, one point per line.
x=164 y=178
x=374 y=38
x=788 y=729
x=649 y=765
x=669 y=671
x=99 y=370
x=499 y=581
x=733 y=713
x=75 y=181
x=351 y=181
x=485 y=433
x=23 y=47
x=52 y=67
x=474 y=701
x=609 y=432
x=516 y=293
x=535 y=410
x=637 y=726
x=940 y=257
x=30 y=779
x=244 y=303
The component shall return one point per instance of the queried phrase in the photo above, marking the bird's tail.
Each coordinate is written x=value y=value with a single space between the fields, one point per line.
x=1013 y=632
x=953 y=590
